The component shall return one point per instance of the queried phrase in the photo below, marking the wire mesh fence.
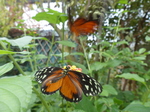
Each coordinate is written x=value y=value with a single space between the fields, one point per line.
x=49 y=49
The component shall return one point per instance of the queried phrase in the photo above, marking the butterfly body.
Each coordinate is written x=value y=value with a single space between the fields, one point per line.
x=70 y=83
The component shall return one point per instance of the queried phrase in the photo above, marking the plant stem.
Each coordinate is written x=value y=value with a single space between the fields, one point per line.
x=29 y=57
x=11 y=57
x=50 y=49
x=85 y=54
x=42 y=99
x=63 y=45
x=117 y=29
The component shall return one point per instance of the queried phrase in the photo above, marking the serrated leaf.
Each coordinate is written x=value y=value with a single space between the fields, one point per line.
x=15 y=93
x=131 y=77
x=6 y=68
x=67 y=43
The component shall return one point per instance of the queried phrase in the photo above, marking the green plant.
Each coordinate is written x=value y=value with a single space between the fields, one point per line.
x=123 y=72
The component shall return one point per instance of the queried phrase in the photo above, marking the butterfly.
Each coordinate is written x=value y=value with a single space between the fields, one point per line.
x=70 y=82
x=82 y=26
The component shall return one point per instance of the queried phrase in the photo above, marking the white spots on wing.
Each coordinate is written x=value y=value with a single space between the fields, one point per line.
x=87 y=87
x=91 y=89
x=44 y=76
x=45 y=71
x=90 y=94
x=83 y=79
x=90 y=81
x=42 y=89
x=87 y=76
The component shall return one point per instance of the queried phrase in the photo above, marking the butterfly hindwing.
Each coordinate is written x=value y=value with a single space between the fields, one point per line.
x=90 y=86
x=71 y=89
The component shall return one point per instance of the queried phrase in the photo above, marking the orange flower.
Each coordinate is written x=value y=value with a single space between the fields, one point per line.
x=73 y=67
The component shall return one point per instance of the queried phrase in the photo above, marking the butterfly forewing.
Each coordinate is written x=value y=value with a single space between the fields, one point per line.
x=49 y=77
x=42 y=74
x=90 y=86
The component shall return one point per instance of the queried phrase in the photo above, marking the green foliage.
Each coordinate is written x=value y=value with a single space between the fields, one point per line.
x=131 y=77
x=51 y=16
x=15 y=93
x=67 y=43
x=7 y=9
x=136 y=106
x=121 y=68
x=6 y=67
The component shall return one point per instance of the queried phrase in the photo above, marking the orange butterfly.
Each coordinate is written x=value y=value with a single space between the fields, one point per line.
x=70 y=82
x=82 y=26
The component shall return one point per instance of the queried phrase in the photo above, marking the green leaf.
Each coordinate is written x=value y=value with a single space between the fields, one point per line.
x=77 y=53
x=114 y=63
x=86 y=105
x=147 y=38
x=108 y=90
x=6 y=52
x=60 y=54
x=20 y=42
x=6 y=68
x=140 y=58
x=106 y=54
x=123 y=1
x=120 y=29
x=67 y=43
x=15 y=93
x=97 y=65
x=131 y=77
x=40 y=56
x=123 y=42
x=142 y=50
x=145 y=96
x=136 y=106
x=51 y=16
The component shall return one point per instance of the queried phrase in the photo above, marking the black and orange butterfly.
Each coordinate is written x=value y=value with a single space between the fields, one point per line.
x=70 y=83
x=82 y=26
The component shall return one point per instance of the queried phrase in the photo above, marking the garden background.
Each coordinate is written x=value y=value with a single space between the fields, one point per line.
x=117 y=55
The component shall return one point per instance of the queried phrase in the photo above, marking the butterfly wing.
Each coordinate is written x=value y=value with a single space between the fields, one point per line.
x=89 y=86
x=71 y=83
x=83 y=27
x=51 y=79
x=71 y=88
